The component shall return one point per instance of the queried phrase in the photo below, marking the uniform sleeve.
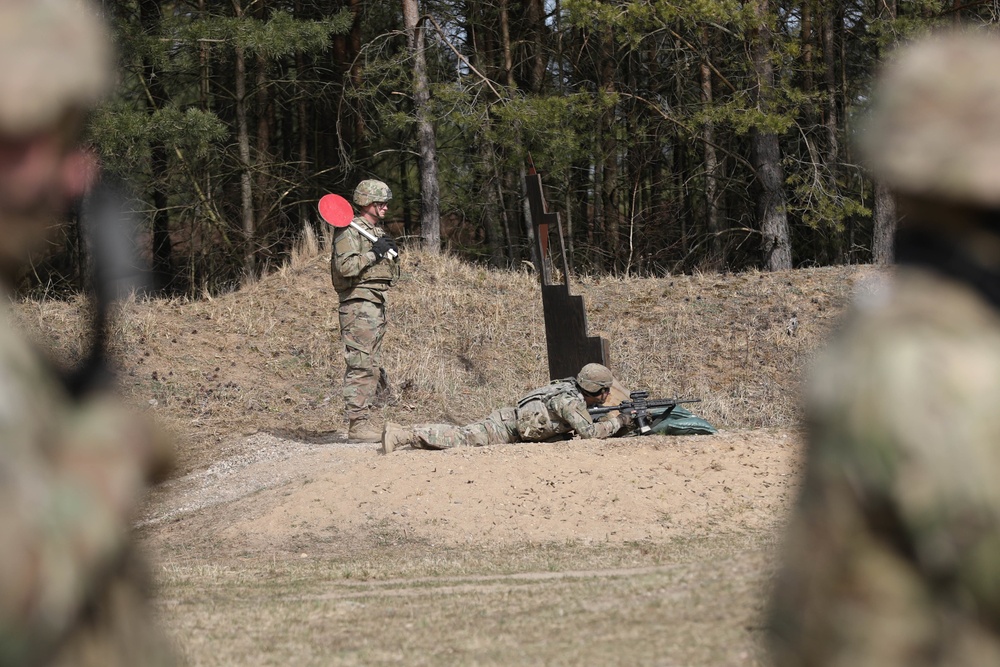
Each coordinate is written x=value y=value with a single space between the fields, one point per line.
x=351 y=253
x=573 y=411
x=68 y=491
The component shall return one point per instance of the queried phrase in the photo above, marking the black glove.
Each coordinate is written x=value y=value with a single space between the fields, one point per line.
x=626 y=420
x=382 y=246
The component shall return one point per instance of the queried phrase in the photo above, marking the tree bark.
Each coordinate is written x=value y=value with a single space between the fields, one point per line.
x=716 y=254
x=766 y=153
x=535 y=15
x=265 y=121
x=430 y=213
x=884 y=232
x=508 y=59
x=243 y=143
x=884 y=206
x=609 y=150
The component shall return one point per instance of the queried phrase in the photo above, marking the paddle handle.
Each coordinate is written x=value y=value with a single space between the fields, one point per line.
x=371 y=237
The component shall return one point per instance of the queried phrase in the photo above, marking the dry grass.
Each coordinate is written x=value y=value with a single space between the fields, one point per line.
x=630 y=607
x=462 y=340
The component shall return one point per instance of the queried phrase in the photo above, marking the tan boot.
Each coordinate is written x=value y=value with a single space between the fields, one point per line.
x=395 y=437
x=362 y=430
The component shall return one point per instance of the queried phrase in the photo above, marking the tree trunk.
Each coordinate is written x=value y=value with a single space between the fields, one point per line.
x=884 y=206
x=430 y=214
x=491 y=201
x=360 y=132
x=766 y=153
x=609 y=150
x=884 y=219
x=831 y=117
x=265 y=120
x=508 y=60
x=535 y=15
x=716 y=256
x=243 y=142
x=162 y=251
x=302 y=115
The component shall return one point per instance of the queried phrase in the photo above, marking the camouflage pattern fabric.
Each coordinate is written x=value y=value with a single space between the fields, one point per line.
x=361 y=283
x=370 y=191
x=362 y=326
x=355 y=271
x=893 y=555
x=548 y=412
x=498 y=428
x=70 y=475
x=64 y=59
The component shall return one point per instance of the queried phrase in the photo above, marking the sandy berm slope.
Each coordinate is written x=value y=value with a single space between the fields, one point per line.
x=288 y=497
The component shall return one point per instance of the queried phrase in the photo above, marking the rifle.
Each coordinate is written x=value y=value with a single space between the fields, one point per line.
x=107 y=228
x=639 y=406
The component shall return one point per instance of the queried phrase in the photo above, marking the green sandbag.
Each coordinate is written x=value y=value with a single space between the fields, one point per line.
x=677 y=422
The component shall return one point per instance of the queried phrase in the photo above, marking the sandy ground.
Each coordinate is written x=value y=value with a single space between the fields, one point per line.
x=285 y=497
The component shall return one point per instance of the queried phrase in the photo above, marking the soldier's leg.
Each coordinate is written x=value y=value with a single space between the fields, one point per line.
x=361 y=328
x=381 y=378
x=500 y=427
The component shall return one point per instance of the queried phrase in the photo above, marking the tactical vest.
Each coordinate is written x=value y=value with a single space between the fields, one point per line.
x=378 y=276
x=534 y=417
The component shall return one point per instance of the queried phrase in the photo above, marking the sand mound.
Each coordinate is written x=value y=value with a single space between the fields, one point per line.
x=284 y=496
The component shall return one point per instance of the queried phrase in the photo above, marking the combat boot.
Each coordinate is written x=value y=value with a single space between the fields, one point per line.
x=396 y=437
x=362 y=430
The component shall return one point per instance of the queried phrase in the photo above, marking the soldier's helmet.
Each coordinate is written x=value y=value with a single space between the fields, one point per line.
x=592 y=378
x=369 y=191
x=55 y=58
x=934 y=128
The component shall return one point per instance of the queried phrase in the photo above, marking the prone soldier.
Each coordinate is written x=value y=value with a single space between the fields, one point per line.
x=553 y=410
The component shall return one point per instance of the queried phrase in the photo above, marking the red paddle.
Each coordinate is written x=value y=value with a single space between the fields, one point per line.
x=338 y=212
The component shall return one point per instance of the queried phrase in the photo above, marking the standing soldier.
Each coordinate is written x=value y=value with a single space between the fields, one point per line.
x=893 y=554
x=72 y=467
x=556 y=409
x=362 y=273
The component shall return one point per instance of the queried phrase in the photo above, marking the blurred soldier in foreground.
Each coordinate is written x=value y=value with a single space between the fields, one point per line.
x=362 y=273
x=893 y=557
x=558 y=408
x=72 y=468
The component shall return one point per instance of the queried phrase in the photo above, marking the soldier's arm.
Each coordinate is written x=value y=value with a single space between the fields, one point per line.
x=67 y=491
x=351 y=253
x=574 y=412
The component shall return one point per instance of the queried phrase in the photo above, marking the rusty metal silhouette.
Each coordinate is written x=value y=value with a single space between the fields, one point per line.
x=568 y=345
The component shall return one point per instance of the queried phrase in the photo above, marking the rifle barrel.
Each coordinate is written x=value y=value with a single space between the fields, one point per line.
x=650 y=404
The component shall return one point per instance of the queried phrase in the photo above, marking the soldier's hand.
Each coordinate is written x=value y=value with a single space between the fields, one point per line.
x=626 y=419
x=382 y=246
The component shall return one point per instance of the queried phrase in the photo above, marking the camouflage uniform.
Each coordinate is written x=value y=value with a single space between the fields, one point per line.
x=72 y=469
x=893 y=553
x=361 y=281
x=71 y=474
x=546 y=413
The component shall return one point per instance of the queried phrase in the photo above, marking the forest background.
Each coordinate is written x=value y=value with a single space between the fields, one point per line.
x=671 y=137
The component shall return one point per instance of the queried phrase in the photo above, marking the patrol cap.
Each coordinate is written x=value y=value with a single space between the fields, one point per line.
x=592 y=378
x=55 y=56
x=934 y=128
x=370 y=190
